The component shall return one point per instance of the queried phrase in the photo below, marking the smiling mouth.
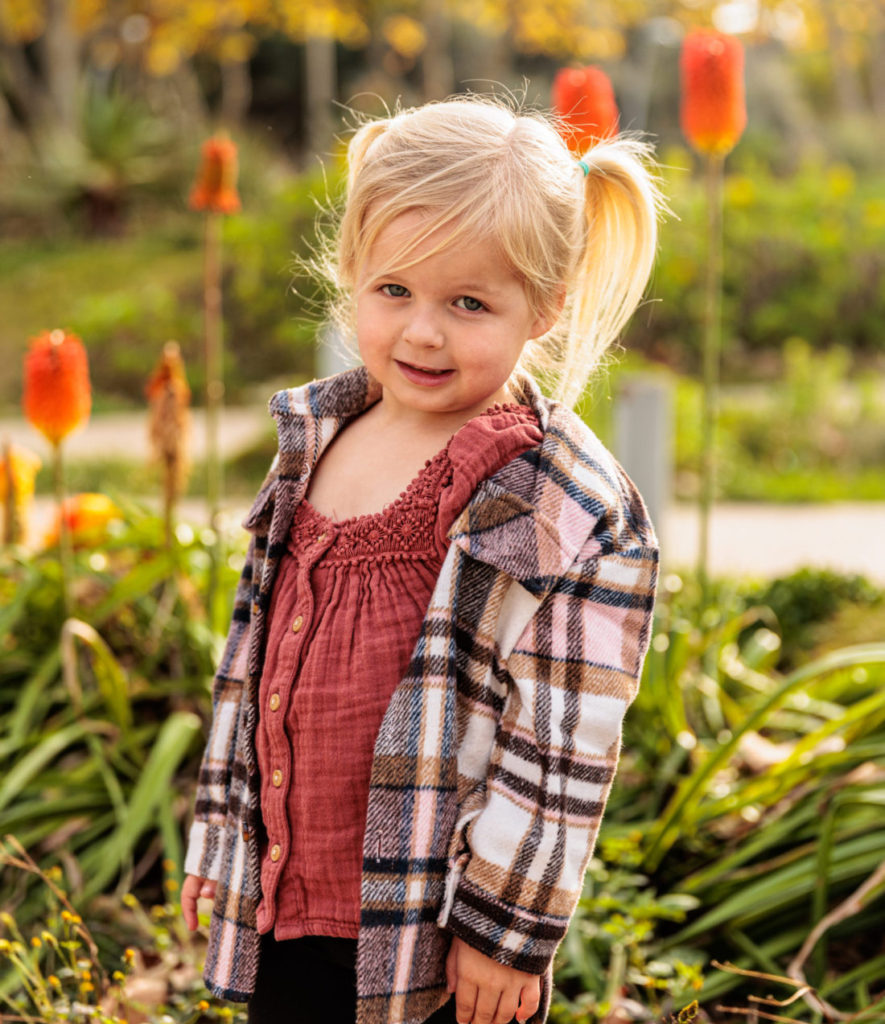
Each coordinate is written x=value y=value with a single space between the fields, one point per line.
x=422 y=369
x=423 y=374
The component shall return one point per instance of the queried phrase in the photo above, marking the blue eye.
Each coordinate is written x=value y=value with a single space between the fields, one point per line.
x=395 y=291
x=469 y=303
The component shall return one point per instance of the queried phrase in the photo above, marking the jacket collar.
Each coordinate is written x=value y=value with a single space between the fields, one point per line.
x=530 y=520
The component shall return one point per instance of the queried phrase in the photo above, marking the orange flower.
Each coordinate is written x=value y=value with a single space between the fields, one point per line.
x=216 y=186
x=713 y=112
x=584 y=101
x=87 y=517
x=57 y=395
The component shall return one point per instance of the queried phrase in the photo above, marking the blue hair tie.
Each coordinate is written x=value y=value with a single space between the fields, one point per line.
x=585 y=167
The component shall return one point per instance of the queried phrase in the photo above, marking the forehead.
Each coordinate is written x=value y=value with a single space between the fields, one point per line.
x=416 y=236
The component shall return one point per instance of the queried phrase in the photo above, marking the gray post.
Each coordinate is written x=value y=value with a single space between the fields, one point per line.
x=643 y=439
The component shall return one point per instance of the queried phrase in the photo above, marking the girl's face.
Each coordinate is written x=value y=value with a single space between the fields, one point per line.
x=442 y=335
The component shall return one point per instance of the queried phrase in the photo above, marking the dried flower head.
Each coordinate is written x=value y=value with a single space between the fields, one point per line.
x=169 y=427
x=584 y=101
x=215 y=189
x=713 y=109
x=57 y=396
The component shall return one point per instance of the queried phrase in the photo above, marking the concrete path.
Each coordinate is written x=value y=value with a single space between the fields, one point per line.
x=763 y=540
x=769 y=540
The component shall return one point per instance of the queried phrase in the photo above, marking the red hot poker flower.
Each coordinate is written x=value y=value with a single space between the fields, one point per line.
x=713 y=111
x=216 y=186
x=57 y=396
x=584 y=101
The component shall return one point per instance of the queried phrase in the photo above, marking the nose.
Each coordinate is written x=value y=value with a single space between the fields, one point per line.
x=423 y=328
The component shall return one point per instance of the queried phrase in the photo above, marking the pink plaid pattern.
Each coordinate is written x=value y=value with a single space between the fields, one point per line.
x=492 y=766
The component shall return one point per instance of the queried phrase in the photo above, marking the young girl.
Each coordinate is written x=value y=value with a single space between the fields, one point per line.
x=447 y=597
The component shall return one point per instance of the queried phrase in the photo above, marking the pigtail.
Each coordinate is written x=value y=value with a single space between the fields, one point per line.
x=621 y=205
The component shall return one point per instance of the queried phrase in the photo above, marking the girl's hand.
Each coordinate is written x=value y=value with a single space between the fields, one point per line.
x=487 y=992
x=191 y=891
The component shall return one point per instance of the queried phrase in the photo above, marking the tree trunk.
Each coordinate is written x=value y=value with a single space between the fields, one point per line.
x=26 y=90
x=877 y=61
x=437 y=70
x=321 y=81
x=191 y=102
x=845 y=79
x=236 y=92
x=60 y=60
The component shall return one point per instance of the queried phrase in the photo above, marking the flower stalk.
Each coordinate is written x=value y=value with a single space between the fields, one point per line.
x=713 y=115
x=58 y=399
x=214 y=193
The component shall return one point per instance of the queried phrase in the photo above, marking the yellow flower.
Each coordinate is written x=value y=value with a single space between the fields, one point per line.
x=129 y=955
x=202 y=1006
x=54 y=981
x=129 y=900
x=36 y=943
x=118 y=976
x=171 y=884
x=5 y=946
x=18 y=471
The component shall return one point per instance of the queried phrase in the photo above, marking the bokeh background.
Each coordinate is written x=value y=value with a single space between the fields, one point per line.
x=748 y=809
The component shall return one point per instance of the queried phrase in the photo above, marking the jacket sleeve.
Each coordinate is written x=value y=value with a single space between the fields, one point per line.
x=571 y=675
x=213 y=783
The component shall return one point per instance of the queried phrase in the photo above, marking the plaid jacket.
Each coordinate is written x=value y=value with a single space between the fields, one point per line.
x=497 y=751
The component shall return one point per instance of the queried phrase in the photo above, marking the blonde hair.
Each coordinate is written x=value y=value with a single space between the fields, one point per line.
x=582 y=245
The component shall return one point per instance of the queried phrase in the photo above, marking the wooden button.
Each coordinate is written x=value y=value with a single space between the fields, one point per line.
x=298 y=623
x=277 y=778
x=247 y=835
x=274 y=702
x=275 y=852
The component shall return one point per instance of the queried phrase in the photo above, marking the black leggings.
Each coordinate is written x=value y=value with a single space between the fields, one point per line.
x=312 y=980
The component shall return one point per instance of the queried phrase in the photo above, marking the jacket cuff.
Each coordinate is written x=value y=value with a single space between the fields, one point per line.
x=203 y=857
x=506 y=933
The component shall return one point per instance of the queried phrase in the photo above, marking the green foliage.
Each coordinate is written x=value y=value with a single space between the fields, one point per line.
x=62 y=970
x=803 y=257
x=129 y=295
x=757 y=793
x=806 y=601
x=815 y=435
x=101 y=714
x=610 y=953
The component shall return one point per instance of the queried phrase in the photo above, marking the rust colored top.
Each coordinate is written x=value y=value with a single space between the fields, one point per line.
x=346 y=611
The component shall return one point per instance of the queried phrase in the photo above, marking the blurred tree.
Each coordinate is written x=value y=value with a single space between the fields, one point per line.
x=198 y=56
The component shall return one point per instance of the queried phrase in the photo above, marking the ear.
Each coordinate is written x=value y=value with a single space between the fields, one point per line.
x=551 y=313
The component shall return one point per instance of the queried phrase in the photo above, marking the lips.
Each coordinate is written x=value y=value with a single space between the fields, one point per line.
x=425 y=376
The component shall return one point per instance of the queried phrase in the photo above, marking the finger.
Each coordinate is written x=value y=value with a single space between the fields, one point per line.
x=529 y=1001
x=465 y=1001
x=507 y=1005
x=486 y=1006
x=452 y=968
x=207 y=892
x=189 y=910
